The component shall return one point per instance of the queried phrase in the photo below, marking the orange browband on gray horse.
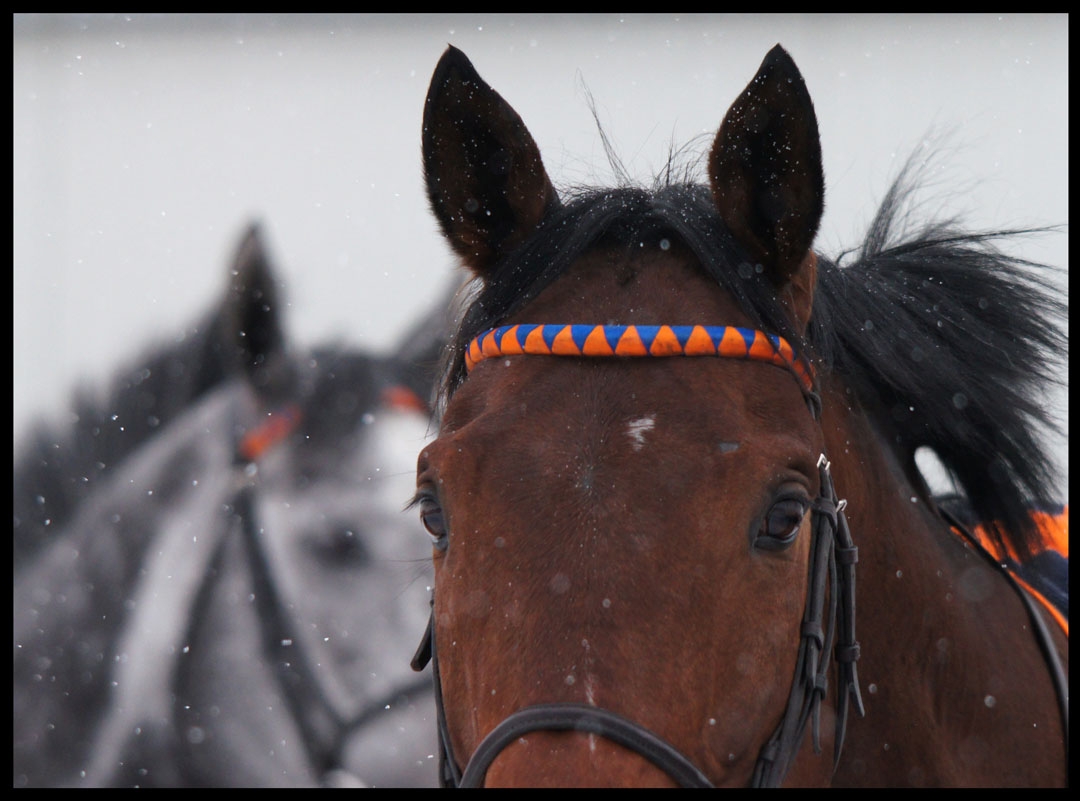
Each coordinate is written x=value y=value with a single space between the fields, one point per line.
x=724 y=341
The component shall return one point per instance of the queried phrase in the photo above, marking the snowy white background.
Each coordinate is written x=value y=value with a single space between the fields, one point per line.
x=143 y=144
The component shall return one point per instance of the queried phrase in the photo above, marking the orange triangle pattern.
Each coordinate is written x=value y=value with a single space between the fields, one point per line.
x=489 y=348
x=666 y=343
x=733 y=346
x=699 y=343
x=534 y=342
x=564 y=345
x=596 y=344
x=726 y=341
x=630 y=344
x=509 y=345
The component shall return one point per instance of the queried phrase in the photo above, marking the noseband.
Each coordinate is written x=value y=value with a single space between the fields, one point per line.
x=832 y=562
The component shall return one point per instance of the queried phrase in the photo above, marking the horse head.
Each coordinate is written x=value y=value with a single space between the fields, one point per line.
x=600 y=522
x=641 y=563
x=231 y=600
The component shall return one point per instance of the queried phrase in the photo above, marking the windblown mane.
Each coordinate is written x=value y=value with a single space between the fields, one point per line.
x=948 y=342
x=952 y=344
x=56 y=468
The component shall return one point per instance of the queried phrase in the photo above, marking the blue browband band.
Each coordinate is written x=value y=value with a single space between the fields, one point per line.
x=639 y=340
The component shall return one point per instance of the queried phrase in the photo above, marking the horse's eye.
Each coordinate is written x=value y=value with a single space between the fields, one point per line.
x=781 y=525
x=341 y=546
x=431 y=515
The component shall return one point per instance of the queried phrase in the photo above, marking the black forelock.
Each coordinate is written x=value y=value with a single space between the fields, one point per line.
x=627 y=217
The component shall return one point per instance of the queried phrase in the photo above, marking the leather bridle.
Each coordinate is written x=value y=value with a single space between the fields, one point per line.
x=830 y=598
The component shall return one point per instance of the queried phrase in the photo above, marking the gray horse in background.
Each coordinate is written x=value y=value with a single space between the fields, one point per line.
x=214 y=582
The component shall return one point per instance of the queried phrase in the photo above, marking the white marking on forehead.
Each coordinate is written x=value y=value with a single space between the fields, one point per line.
x=637 y=428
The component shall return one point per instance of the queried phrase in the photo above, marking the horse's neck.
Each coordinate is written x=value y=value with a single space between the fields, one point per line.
x=956 y=690
x=130 y=562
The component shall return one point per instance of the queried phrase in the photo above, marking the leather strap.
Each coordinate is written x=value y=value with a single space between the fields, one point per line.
x=579 y=717
x=324 y=730
x=1038 y=627
x=809 y=686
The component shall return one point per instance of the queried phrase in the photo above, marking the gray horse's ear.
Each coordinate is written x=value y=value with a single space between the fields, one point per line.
x=485 y=179
x=767 y=180
x=253 y=329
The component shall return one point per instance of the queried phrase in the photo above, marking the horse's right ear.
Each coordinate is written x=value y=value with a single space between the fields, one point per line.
x=485 y=180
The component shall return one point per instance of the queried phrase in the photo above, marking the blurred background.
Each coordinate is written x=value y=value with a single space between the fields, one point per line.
x=143 y=144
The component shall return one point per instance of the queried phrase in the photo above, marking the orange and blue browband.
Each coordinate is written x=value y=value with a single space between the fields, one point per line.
x=638 y=340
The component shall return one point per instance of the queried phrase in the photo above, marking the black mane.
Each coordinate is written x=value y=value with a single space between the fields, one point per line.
x=952 y=344
x=56 y=467
x=948 y=342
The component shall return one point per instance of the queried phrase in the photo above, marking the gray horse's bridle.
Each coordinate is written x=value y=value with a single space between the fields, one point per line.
x=324 y=731
x=827 y=614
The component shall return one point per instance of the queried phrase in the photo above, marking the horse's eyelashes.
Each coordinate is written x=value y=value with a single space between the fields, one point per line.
x=431 y=515
x=780 y=526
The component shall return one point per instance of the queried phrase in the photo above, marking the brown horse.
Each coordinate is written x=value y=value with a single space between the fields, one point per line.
x=635 y=556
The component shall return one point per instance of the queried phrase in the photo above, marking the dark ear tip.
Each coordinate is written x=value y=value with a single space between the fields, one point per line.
x=252 y=236
x=453 y=60
x=779 y=59
x=251 y=247
x=251 y=266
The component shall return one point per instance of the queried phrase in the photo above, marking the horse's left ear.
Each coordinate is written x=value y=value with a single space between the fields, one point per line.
x=485 y=180
x=767 y=181
x=253 y=333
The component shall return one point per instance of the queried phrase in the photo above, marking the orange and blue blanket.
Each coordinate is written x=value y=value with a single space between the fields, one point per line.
x=1046 y=573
